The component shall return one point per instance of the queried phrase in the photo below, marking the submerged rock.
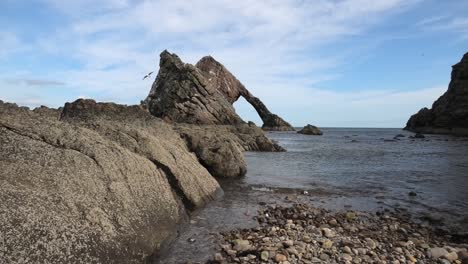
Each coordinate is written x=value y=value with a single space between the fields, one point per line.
x=449 y=114
x=310 y=130
x=105 y=183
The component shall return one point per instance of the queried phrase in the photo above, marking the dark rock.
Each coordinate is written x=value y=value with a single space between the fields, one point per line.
x=106 y=183
x=224 y=81
x=310 y=130
x=412 y=193
x=449 y=114
x=419 y=135
x=202 y=94
x=182 y=94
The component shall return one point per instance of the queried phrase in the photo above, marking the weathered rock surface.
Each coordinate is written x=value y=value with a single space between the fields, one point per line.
x=449 y=114
x=223 y=80
x=310 y=130
x=220 y=148
x=202 y=94
x=181 y=94
x=104 y=184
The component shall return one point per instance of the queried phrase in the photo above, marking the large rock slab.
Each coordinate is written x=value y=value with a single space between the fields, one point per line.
x=449 y=114
x=104 y=184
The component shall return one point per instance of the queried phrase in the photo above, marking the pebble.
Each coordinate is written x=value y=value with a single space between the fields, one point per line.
x=298 y=233
x=437 y=252
x=280 y=258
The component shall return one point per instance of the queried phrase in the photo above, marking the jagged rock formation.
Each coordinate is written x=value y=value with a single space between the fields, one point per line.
x=449 y=114
x=202 y=94
x=310 y=130
x=105 y=183
x=181 y=94
x=223 y=80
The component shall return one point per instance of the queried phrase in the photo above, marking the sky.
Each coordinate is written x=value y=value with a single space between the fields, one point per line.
x=331 y=63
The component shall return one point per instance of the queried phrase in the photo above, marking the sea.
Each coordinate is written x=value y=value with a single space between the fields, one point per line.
x=371 y=167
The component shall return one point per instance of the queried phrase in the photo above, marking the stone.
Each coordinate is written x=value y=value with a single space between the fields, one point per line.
x=265 y=255
x=437 y=252
x=99 y=183
x=347 y=249
x=288 y=243
x=452 y=256
x=346 y=257
x=241 y=245
x=350 y=216
x=280 y=258
x=324 y=257
x=333 y=222
x=310 y=130
x=449 y=113
x=327 y=244
x=328 y=232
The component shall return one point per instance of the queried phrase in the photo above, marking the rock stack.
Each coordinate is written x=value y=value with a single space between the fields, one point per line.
x=449 y=114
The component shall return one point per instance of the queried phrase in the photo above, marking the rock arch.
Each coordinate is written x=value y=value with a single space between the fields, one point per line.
x=203 y=94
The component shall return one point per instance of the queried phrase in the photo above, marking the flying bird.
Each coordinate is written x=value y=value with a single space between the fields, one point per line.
x=147 y=75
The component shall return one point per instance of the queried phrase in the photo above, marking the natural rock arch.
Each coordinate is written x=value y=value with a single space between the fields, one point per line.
x=203 y=94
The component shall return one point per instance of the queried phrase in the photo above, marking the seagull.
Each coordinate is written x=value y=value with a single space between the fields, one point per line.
x=147 y=75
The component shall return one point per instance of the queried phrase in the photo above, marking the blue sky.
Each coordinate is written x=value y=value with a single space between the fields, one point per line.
x=332 y=63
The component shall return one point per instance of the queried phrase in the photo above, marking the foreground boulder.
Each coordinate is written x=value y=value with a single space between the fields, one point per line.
x=104 y=184
x=220 y=148
x=449 y=114
x=202 y=94
x=310 y=130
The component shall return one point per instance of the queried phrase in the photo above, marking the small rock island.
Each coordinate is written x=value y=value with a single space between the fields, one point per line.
x=310 y=130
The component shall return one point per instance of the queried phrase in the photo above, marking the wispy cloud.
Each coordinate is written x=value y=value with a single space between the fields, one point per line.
x=446 y=23
x=34 y=82
x=279 y=49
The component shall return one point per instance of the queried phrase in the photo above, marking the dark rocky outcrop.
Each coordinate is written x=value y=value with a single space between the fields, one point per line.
x=105 y=183
x=202 y=94
x=310 y=130
x=449 y=114
x=224 y=81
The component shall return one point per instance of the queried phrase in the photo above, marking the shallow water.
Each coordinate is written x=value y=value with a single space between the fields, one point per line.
x=368 y=174
x=364 y=168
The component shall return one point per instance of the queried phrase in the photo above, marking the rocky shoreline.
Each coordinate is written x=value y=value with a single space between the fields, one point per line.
x=300 y=233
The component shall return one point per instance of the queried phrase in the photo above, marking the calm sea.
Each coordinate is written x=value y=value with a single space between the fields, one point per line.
x=367 y=168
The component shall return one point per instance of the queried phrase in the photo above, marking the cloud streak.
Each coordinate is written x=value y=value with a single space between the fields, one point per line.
x=34 y=82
